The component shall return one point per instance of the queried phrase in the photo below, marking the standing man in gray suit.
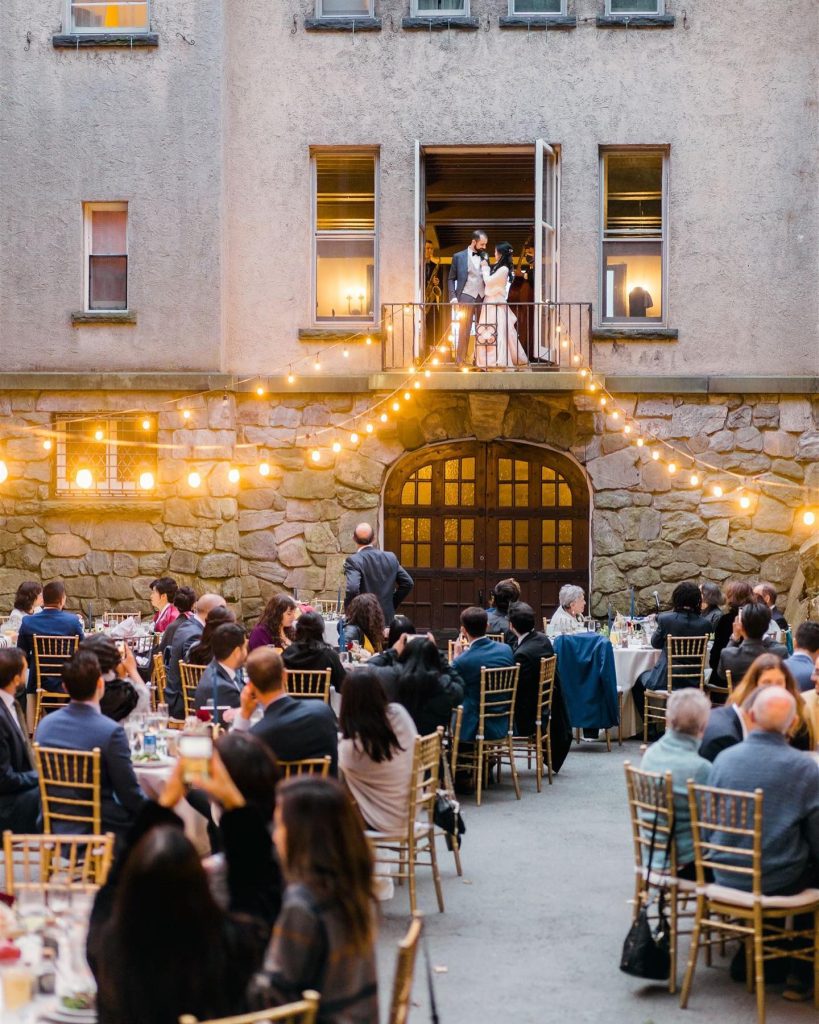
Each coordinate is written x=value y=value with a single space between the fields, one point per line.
x=371 y=571
x=467 y=287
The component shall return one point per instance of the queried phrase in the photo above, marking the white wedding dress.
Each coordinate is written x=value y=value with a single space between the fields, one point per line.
x=496 y=333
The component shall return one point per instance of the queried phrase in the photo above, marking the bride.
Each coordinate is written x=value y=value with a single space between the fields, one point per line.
x=496 y=334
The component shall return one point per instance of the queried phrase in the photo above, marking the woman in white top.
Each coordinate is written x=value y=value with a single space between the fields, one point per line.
x=569 y=616
x=496 y=333
x=376 y=750
x=27 y=600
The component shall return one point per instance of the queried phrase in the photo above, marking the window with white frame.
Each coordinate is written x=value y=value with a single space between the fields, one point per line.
x=537 y=7
x=345 y=278
x=460 y=8
x=106 y=256
x=633 y=236
x=109 y=15
x=635 y=7
x=345 y=8
x=106 y=456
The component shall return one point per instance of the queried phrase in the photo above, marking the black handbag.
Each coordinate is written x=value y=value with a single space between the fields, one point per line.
x=447 y=816
x=647 y=953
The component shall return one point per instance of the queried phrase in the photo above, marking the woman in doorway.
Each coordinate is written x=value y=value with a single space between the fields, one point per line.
x=497 y=336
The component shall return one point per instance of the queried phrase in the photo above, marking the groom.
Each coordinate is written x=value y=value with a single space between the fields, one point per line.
x=466 y=288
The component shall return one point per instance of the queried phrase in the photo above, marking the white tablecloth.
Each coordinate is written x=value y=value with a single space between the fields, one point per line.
x=629 y=664
x=331 y=633
x=152 y=782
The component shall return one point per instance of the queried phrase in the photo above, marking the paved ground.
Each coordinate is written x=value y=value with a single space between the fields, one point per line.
x=533 y=932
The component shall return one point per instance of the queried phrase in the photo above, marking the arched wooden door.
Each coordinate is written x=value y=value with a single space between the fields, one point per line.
x=462 y=516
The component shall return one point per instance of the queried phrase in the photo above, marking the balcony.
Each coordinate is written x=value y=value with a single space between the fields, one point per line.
x=543 y=336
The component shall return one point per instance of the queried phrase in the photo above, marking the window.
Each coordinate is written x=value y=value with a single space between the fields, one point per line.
x=635 y=7
x=345 y=235
x=537 y=6
x=106 y=247
x=440 y=7
x=345 y=8
x=99 y=16
x=106 y=456
x=633 y=236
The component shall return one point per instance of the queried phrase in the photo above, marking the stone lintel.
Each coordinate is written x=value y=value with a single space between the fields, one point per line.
x=635 y=334
x=104 y=317
x=538 y=22
x=342 y=24
x=635 y=21
x=441 y=24
x=123 y=40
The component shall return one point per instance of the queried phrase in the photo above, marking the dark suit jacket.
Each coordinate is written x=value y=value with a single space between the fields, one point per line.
x=373 y=571
x=722 y=634
x=458 y=274
x=80 y=726
x=295 y=728
x=483 y=653
x=527 y=653
x=19 y=796
x=228 y=690
x=737 y=658
x=48 y=622
x=185 y=636
x=724 y=729
x=673 y=624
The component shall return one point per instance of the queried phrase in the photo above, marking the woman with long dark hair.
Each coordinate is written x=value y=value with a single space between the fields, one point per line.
x=324 y=937
x=737 y=594
x=275 y=625
x=427 y=687
x=27 y=600
x=365 y=623
x=770 y=670
x=496 y=335
x=202 y=651
x=309 y=652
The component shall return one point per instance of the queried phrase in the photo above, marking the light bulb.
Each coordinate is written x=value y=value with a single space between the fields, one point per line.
x=315 y=455
x=84 y=479
x=146 y=424
x=615 y=414
x=744 y=501
x=346 y=353
x=592 y=387
x=564 y=343
x=146 y=481
x=417 y=385
x=575 y=359
x=354 y=438
x=47 y=444
x=640 y=442
x=369 y=428
x=627 y=429
x=655 y=455
x=383 y=417
x=264 y=469
x=694 y=480
x=435 y=360
x=808 y=518
x=234 y=475
x=411 y=370
x=603 y=400
x=672 y=468
x=336 y=446
x=186 y=414
x=584 y=372
x=99 y=435
x=260 y=391
x=368 y=340
x=291 y=379
x=317 y=365
x=717 y=491
x=427 y=373
x=396 y=406
x=4 y=472
x=194 y=480
x=407 y=396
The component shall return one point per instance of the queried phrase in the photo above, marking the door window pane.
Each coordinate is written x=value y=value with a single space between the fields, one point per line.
x=95 y=16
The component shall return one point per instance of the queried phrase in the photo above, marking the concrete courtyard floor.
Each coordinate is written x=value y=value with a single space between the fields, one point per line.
x=532 y=934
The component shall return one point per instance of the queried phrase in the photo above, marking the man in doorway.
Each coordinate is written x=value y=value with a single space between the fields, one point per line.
x=466 y=290
x=370 y=571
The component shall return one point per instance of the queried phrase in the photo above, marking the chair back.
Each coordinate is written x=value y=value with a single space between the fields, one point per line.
x=50 y=654
x=47 y=864
x=686 y=661
x=313 y=684
x=190 y=676
x=426 y=771
x=546 y=688
x=726 y=826
x=729 y=679
x=69 y=788
x=47 y=701
x=159 y=678
x=116 y=617
x=3 y=620
x=319 y=766
x=499 y=687
x=325 y=607
x=305 y=1011
x=545 y=623
x=497 y=637
x=404 y=971
x=650 y=800
x=142 y=646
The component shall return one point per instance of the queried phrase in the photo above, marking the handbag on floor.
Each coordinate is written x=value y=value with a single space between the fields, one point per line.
x=647 y=952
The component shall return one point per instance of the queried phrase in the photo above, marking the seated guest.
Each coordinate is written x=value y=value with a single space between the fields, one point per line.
x=737 y=593
x=324 y=938
x=529 y=647
x=425 y=684
x=309 y=651
x=275 y=625
x=19 y=789
x=80 y=725
x=294 y=729
x=159 y=944
x=766 y=592
x=186 y=634
x=683 y=620
x=163 y=592
x=224 y=675
x=364 y=623
x=51 y=621
x=126 y=692
x=711 y=605
x=27 y=601
x=400 y=627
x=505 y=593
x=805 y=649
x=183 y=600
x=376 y=751
x=811 y=699
x=676 y=751
x=569 y=616
x=482 y=653
x=201 y=651
x=790 y=812
x=747 y=642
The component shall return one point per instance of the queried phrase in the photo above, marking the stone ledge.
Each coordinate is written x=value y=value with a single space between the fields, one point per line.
x=441 y=24
x=121 y=40
x=538 y=22
x=713 y=385
x=521 y=380
x=339 y=334
x=122 y=380
x=635 y=21
x=108 y=317
x=342 y=24
x=635 y=334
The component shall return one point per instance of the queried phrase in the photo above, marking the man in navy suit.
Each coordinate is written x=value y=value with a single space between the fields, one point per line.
x=19 y=788
x=80 y=725
x=482 y=653
x=224 y=673
x=51 y=621
x=185 y=636
x=372 y=571
x=293 y=727
x=467 y=287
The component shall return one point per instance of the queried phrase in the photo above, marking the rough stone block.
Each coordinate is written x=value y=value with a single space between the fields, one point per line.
x=789 y=469
x=677 y=501
x=739 y=418
x=251 y=521
x=287 y=530
x=293 y=553
x=348 y=497
x=780 y=569
x=178 y=512
x=187 y=538
x=261 y=498
x=125 y=565
x=641 y=523
x=617 y=471
x=358 y=472
x=771 y=515
x=608 y=578
x=25 y=556
x=308 y=484
x=66 y=545
x=226 y=537
x=681 y=526
x=261 y=545
x=124 y=536
x=808 y=449
x=36 y=535
x=310 y=511
x=153 y=564
x=654 y=477
x=320 y=538
x=743 y=462
x=779 y=443
x=269 y=572
x=613 y=443
x=613 y=500
x=115 y=588
x=687 y=420
x=756 y=543
x=629 y=560
x=310 y=578
x=58 y=568
x=221 y=413
x=705 y=553
x=284 y=416
x=486 y=412
x=676 y=572
x=82 y=587
x=718 y=531
x=766 y=414
x=748 y=439
x=217 y=566
x=795 y=415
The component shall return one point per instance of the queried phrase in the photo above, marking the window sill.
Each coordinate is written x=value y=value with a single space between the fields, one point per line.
x=104 y=316
x=635 y=21
x=83 y=40
x=441 y=23
x=538 y=22
x=342 y=24
x=352 y=333
x=646 y=333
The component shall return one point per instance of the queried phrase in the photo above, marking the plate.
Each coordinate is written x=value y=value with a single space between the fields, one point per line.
x=164 y=762
x=62 y=1015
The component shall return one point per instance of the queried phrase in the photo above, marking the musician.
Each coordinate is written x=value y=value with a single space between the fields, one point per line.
x=434 y=317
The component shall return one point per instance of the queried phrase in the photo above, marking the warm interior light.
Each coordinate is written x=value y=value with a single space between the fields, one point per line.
x=417 y=385
x=291 y=378
x=407 y=396
x=808 y=518
x=464 y=369
x=194 y=479
x=369 y=341
x=84 y=479
x=234 y=475
x=427 y=373
x=640 y=442
x=592 y=386
x=260 y=391
x=4 y=472
x=615 y=414
x=264 y=469
x=717 y=491
x=146 y=481
x=315 y=455
x=336 y=446
x=435 y=361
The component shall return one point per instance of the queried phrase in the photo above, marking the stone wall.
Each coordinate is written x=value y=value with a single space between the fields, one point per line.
x=293 y=528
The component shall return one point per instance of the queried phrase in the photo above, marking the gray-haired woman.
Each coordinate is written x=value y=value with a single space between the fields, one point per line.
x=569 y=616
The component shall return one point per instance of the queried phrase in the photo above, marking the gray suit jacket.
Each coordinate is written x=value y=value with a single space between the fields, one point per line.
x=372 y=571
x=458 y=273
x=737 y=658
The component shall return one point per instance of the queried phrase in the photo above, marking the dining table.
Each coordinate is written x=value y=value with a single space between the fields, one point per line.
x=152 y=777
x=629 y=664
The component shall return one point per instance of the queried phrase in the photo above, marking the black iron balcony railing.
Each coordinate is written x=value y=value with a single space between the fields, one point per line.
x=514 y=336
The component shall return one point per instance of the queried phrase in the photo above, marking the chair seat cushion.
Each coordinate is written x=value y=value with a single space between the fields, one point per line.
x=725 y=894
x=658 y=878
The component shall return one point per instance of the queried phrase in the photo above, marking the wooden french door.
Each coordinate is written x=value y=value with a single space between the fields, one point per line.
x=464 y=515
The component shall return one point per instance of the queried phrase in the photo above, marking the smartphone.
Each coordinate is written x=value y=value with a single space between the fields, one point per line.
x=121 y=646
x=195 y=752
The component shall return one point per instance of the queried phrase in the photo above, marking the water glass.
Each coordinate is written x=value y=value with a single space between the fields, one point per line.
x=17 y=984
x=163 y=715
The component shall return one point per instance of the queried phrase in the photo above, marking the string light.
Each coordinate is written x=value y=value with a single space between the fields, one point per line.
x=383 y=417
x=264 y=469
x=260 y=390
x=407 y=396
x=435 y=361
x=84 y=479
x=291 y=378
x=4 y=472
x=592 y=387
x=354 y=438
x=575 y=359
x=584 y=372
x=627 y=429
x=396 y=406
x=672 y=468
x=464 y=369
x=694 y=480
x=317 y=365
x=717 y=491
x=427 y=373
x=146 y=481
x=186 y=414
x=616 y=416
x=346 y=353
x=369 y=428
x=336 y=446
x=603 y=400
x=194 y=480
x=417 y=384
x=234 y=475
x=808 y=518
x=315 y=455
x=146 y=424
x=47 y=444
x=655 y=455
x=99 y=435
x=744 y=501
x=640 y=442
x=411 y=370
x=368 y=340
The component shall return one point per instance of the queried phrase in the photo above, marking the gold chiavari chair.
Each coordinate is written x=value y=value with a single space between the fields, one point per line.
x=685 y=667
x=650 y=800
x=497 y=637
x=159 y=679
x=497 y=700
x=190 y=676
x=313 y=684
x=42 y=863
x=450 y=644
x=325 y=607
x=116 y=617
x=527 y=746
x=48 y=701
x=3 y=620
x=545 y=623
x=305 y=1011
x=50 y=654
x=725 y=821
x=318 y=766
x=415 y=843
x=725 y=691
x=405 y=971
x=69 y=788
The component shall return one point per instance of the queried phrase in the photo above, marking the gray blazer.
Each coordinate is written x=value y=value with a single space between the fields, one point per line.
x=458 y=273
x=372 y=571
